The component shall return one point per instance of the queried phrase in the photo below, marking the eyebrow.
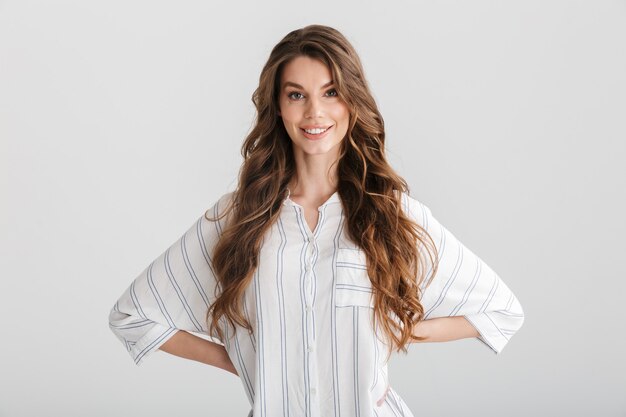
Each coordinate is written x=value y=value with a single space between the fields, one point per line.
x=292 y=84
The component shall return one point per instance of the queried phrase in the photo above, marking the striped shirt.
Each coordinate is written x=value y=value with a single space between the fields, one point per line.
x=313 y=351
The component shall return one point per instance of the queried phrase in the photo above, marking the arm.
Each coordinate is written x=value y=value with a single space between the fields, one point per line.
x=189 y=346
x=445 y=329
x=465 y=291
x=171 y=294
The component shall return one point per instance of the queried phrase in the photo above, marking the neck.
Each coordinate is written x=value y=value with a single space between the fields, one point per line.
x=313 y=180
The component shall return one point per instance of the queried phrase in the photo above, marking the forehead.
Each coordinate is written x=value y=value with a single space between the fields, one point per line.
x=306 y=71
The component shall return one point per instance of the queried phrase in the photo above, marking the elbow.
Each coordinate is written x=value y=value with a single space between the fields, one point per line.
x=115 y=319
x=512 y=320
x=518 y=313
x=116 y=316
x=521 y=320
x=497 y=327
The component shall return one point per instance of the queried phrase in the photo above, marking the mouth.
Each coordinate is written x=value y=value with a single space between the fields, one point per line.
x=318 y=134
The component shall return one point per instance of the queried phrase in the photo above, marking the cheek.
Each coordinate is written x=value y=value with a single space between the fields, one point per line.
x=341 y=114
x=289 y=115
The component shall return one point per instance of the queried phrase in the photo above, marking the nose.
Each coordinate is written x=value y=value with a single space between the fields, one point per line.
x=314 y=108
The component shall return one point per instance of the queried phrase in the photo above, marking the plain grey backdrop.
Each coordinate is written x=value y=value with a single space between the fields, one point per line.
x=121 y=122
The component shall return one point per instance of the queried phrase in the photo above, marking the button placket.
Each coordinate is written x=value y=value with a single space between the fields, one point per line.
x=310 y=254
x=309 y=259
x=307 y=277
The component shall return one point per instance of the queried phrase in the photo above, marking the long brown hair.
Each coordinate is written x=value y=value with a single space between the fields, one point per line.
x=369 y=189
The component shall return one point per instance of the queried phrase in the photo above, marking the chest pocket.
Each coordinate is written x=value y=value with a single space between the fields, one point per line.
x=352 y=286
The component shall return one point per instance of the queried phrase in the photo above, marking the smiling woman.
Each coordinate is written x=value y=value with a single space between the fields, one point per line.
x=320 y=262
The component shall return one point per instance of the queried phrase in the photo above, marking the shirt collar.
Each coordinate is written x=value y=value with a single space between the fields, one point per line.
x=334 y=198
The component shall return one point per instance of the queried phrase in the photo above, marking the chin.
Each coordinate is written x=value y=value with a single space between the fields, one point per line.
x=318 y=149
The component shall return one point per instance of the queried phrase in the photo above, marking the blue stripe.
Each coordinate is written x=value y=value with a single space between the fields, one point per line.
x=158 y=298
x=204 y=249
x=355 y=337
x=507 y=313
x=494 y=287
x=375 y=344
x=179 y=291
x=154 y=343
x=242 y=363
x=469 y=290
x=281 y=308
x=495 y=325
x=333 y=320
x=449 y=282
x=346 y=264
x=247 y=314
x=132 y=325
x=135 y=300
x=192 y=272
x=354 y=287
x=510 y=302
x=261 y=352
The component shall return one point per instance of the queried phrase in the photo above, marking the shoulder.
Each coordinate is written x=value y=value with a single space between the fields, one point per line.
x=225 y=199
x=219 y=205
x=414 y=208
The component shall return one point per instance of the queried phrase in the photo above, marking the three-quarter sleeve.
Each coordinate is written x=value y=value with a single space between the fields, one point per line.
x=172 y=293
x=464 y=285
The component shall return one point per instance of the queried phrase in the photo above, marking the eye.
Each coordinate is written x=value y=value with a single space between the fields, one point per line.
x=290 y=95
x=334 y=91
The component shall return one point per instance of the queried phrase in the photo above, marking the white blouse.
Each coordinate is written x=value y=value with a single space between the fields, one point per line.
x=313 y=351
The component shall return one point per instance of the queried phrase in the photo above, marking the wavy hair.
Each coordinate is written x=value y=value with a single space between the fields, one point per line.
x=369 y=189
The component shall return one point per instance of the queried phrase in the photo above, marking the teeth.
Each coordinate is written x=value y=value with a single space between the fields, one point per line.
x=315 y=131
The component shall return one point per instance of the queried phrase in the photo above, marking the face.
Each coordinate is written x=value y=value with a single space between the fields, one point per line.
x=308 y=100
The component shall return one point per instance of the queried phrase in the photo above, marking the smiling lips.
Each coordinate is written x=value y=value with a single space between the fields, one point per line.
x=315 y=131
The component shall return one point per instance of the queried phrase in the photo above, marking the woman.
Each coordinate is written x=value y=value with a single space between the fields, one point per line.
x=319 y=263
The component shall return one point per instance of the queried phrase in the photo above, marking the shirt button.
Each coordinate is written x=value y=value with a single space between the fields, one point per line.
x=308 y=268
x=313 y=391
x=310 y=349
x=308 y=308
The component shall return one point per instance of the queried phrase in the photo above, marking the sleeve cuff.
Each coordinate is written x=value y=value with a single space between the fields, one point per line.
x=490 y=333
x=151 y=341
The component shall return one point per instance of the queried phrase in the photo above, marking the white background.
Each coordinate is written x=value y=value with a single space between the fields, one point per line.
x=121 y=122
